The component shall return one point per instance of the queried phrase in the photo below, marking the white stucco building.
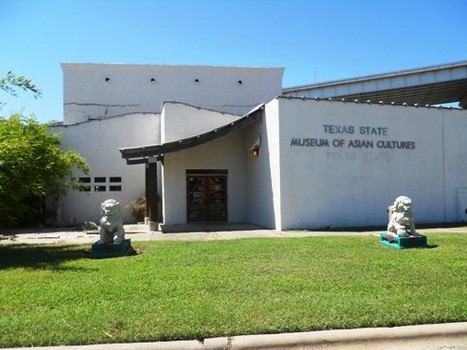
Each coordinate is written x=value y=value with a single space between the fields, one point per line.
x=110 y=106
x=223 y=144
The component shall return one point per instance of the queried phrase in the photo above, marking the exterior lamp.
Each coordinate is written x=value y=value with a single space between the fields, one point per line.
x=255 y=149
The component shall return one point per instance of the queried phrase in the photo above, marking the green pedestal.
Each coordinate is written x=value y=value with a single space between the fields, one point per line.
x=403 y=242
x=108 y=250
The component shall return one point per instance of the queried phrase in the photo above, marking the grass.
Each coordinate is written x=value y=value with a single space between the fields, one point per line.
x=52 y=295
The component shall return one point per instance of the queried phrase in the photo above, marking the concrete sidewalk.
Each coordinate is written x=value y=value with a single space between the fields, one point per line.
x=193 y=232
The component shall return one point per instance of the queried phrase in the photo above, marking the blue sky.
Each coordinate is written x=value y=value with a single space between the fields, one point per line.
x=314 y=40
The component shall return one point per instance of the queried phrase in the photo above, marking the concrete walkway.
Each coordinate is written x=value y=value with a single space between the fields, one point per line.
x=450 y=336
x=194 y=232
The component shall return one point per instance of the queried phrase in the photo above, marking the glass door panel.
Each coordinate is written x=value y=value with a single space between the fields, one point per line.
x=196 y=198
x=206 y=198
x=217 y=198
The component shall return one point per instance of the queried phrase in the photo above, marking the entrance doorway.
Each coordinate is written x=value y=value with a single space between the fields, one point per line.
x=206 y=195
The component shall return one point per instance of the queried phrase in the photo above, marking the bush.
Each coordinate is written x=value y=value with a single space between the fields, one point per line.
x=138 y=208
x=32 y=167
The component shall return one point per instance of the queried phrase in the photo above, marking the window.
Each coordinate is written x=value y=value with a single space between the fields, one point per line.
x=82 y=187
x=100 y=184
x=116 y=185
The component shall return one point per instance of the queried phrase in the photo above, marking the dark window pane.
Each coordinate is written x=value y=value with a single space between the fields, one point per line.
x=99 y=179
x=85 y=188
x=99 y=188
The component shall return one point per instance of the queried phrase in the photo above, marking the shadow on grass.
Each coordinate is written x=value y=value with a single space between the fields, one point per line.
x=42 y=257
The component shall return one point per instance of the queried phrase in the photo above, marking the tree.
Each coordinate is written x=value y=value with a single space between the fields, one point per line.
x=32 y=166
x=10 y=82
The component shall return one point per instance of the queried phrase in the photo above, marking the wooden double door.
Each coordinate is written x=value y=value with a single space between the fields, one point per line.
x=206 y=195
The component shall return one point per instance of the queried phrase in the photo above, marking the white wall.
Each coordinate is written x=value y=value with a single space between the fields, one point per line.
x=263 y=175
x=345 y=186
x=455 y=155
x=179 y=120
x=227 y=153
x=129 y=89
x=98 y=141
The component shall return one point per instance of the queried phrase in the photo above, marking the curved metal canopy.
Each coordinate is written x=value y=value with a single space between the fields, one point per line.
x=142 y=154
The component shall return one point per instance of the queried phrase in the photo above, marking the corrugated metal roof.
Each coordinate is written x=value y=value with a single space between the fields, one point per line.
x=424 y=86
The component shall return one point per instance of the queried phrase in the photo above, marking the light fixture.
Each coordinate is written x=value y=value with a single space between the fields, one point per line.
x=255 y=149
x=239 y=82
x=153 y=80
x=107 y=79
x=196 y=81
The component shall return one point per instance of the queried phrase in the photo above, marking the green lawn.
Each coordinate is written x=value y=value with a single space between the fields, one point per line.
x=52 y=295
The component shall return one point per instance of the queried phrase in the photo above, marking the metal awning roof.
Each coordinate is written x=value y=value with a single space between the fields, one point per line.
x=142 y=154
x=424 y=86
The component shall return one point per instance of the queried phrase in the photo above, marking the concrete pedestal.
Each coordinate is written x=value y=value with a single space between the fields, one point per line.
x=394 y=241
x=108 y=250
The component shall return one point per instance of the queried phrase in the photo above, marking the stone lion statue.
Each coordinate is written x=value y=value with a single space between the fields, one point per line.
x=401 y=221
x=111 y=223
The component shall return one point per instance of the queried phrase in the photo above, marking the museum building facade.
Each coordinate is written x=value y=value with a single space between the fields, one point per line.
x=223 y=144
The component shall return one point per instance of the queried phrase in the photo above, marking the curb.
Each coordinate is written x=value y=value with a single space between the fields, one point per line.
x=407 y=337
x=452 y=336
